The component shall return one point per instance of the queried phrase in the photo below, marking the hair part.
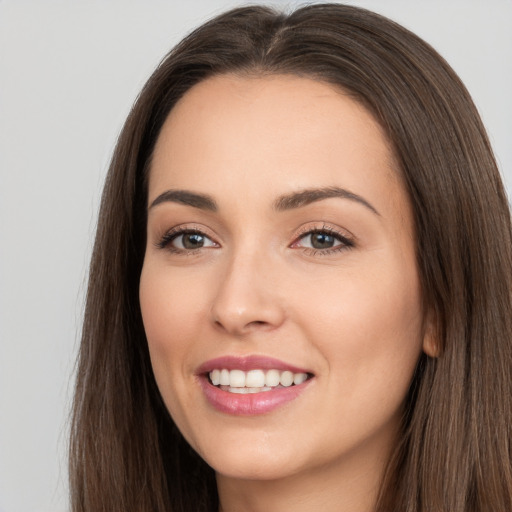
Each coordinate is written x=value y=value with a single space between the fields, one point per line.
x=454 y=454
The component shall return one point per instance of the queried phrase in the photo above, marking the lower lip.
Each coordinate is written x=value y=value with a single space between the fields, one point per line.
x=250 y=404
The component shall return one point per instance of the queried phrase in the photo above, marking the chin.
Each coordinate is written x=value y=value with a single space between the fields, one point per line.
x=253 y=463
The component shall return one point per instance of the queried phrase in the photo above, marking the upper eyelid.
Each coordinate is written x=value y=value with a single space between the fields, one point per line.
x=324 y=227
x=188 y=228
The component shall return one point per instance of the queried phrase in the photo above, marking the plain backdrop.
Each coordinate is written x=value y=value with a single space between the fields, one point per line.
x=69 y=72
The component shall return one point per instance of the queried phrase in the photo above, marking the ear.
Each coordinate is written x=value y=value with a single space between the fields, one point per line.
x=431 y=337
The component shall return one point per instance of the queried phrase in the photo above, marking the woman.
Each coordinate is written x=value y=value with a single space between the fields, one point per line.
x=300 y=291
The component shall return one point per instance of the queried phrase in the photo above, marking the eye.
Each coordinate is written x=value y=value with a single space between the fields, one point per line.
x=183 y=240
x=324 y=241
x=320 y=240
x=192 y=240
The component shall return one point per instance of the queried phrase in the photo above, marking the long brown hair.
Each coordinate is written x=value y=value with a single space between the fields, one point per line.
x=454 y=452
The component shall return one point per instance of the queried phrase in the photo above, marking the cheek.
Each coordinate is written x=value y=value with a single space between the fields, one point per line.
x=171 y=308
x=368 y=328
x=364 y=305
x=369 y=334
x=171 y=313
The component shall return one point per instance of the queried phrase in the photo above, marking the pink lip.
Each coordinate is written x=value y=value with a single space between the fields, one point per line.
x=250 y=403
x=247 y=363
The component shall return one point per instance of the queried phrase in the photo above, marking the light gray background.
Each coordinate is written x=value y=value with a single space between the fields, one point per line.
x=69 y=71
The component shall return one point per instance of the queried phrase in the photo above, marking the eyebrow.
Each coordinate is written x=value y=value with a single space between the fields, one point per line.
x=201 y=201
x=308 y=196
x=283 y=203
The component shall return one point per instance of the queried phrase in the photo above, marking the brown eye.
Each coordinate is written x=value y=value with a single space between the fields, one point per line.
x=190 y=240
x=186 y=240
x=322 y=240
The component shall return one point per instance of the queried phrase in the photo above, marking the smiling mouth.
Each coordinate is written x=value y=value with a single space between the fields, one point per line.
x=255 y=381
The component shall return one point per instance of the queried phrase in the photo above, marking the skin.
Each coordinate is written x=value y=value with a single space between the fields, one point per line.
x=353 y=317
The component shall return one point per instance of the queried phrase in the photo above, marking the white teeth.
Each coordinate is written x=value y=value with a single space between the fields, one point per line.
x=215 y=377
x=286 y=379
x=240 y=391
x=245 y=391
x=254 y=381
x=272 y=378
x=224 y=378
x=299 y=378
x=237 y=379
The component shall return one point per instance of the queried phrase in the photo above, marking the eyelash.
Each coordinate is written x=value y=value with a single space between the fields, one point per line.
x=172 y=234
x=346 y=242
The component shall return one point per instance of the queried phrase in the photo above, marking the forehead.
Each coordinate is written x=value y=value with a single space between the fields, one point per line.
x=272 y=132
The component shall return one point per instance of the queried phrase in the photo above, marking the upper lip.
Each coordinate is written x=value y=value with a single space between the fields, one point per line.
x=246 y=363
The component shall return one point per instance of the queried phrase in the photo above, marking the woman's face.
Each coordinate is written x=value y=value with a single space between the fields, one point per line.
x=280 y=248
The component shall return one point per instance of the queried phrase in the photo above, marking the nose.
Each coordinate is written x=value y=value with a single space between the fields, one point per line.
x=248 y=296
